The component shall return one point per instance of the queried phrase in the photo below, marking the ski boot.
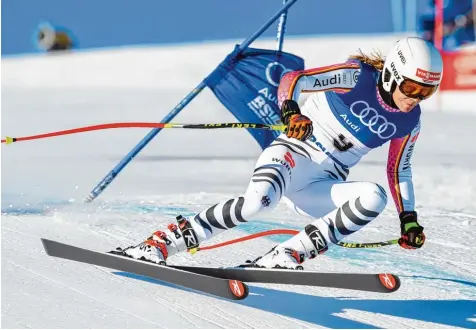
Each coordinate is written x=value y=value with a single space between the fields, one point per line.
x=278 y=257
x=290 y=254
x=160 y=245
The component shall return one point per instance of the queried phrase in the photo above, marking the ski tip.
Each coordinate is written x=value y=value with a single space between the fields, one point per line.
x=45 y=243
x=390 y=282
x=238 y=289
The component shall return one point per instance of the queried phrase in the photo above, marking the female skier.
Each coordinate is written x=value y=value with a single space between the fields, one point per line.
x=355 y=107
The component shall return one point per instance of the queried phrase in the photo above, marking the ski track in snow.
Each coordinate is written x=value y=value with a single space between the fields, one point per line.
x=79 y=292
x=183 y=172
x=161 y=301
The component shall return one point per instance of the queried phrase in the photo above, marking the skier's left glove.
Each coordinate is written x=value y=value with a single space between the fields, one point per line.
x=412 y=233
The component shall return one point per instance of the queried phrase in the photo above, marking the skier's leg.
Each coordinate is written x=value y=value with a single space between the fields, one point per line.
x=270 y=179
x=341 y=208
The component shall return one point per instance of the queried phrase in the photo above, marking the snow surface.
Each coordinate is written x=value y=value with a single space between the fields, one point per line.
x=183 y=171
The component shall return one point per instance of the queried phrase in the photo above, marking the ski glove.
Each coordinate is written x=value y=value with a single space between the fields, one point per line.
x=412 y=233
x=298 y=125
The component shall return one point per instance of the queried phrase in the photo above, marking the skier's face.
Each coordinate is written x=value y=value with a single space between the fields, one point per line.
x=403 y=102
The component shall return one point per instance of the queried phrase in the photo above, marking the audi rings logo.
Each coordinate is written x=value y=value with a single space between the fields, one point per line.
x=274 y=72
x=369 y=117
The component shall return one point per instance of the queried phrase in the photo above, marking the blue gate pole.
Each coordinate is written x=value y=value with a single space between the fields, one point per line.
x=123 y=163
x=281 y=29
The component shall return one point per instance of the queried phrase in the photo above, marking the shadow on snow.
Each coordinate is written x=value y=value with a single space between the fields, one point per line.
x=320 y=310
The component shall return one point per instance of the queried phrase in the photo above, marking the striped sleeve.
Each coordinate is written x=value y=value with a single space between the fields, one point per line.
x=399 y=170
x=338 y=77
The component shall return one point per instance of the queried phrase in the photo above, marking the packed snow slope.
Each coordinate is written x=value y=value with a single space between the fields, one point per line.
x=181 y=172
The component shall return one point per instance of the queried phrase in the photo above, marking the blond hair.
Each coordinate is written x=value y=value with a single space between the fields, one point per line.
x=374 y=59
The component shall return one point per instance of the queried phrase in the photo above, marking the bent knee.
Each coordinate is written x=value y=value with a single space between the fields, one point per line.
x=373 y=197
x=256 y=202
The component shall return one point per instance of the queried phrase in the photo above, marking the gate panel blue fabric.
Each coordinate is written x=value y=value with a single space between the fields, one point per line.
x=246 y=84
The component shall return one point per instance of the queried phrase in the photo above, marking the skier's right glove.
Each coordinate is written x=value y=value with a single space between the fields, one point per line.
x=298 y=125
x=412 y=233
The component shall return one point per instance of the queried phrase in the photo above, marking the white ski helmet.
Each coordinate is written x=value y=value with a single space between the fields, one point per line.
x=412 y=59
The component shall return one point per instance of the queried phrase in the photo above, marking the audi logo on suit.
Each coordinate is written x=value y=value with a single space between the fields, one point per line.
x=369 y=117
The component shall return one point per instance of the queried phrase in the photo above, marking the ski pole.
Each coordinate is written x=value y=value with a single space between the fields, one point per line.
x=9 y=140
x=352 y=245
x=367 y=245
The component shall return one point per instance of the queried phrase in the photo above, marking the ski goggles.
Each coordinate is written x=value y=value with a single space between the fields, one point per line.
x=416 y=90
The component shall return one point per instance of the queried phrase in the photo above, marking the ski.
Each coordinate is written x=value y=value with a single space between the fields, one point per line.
x=384 y=283
x=225 y=288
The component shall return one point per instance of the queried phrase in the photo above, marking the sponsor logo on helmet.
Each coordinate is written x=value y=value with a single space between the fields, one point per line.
x=427 y=75
x=395 y=72
x=402 y=58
